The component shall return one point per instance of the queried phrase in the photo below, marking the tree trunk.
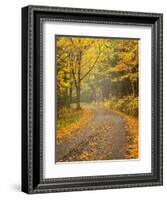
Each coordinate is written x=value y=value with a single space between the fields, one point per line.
x=133 y=88
x=78 y=97
x=79 y=80
x=70 y=94
x=95 y=97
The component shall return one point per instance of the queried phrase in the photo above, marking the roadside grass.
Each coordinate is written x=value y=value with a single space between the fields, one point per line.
x=70 y=120
x=67 y=116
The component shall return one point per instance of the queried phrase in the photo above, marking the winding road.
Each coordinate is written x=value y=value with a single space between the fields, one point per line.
x=104 y=138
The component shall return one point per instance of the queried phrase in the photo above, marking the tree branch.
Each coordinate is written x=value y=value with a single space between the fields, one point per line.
x=91 y=68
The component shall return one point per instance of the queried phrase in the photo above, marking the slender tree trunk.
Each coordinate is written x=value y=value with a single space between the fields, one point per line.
x=78 y=97
x=79 y=81
x=95 y=97
x=66 y=101
x=137 y=88
x=133 y=88
x=70 y=94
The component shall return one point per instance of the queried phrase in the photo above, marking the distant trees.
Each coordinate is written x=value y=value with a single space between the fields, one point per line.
x=95 y=69
x=127 y=63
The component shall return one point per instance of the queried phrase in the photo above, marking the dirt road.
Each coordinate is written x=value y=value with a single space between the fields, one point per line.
x=104 y=138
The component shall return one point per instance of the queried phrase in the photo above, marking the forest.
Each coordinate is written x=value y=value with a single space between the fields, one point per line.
x=96 y=73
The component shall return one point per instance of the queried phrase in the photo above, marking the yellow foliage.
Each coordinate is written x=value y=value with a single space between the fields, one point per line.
x=132 y=147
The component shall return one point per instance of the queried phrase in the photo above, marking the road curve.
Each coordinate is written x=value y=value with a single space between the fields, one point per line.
x=104 y=138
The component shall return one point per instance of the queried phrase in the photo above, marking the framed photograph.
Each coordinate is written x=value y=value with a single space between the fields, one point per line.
x=91 y=99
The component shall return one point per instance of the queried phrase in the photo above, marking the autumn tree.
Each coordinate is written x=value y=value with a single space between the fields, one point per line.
x=128 y=62
x=117 y=71
x=95 y=69
x=79 y=56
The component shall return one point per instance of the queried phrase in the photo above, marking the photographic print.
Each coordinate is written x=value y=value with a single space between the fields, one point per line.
x=92 y=99
x=97 y=100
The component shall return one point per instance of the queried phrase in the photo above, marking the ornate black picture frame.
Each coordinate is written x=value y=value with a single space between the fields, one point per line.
x=32 y=99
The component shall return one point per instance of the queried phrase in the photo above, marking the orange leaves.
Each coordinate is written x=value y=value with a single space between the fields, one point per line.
x=87 y=156
x=99 y=144
x=68 y=131
x=133 y=135
x=132 y=147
